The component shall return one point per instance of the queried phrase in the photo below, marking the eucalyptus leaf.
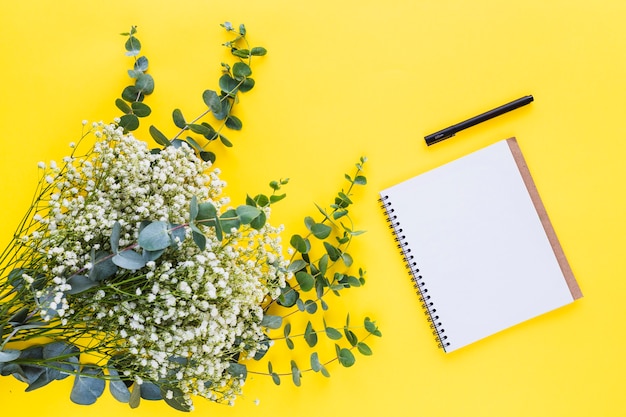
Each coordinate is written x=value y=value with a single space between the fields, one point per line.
x=140 y=109
x=226 y=103
x=88 y=386
x=275 y=198
x=141 y=64
x=225 y=140
x=155 y=236
x=241 y=53
x=150 y=391
x=133 y=46
x=259 y=221
x=179 y=120
x=129 y=259
x=241 y=70
x=305 y=280
x=320 y=230
x=19 y=317
x=296 y=265
x=199 y=239
x=247 y=213
x=229 y=220
x=135 y=396
x=159 y=137
x=237 y=370
x=346 y=357
x=271 y=322
x=9 y=355
x=177 y=234
x=288 y=296
x=298 y=243
x=310 y=306
x=229 y=86
x=212 y=100
x=258 y=51
x=310 y=335
x=332 y=333
x=371 y=327
x=145 y=84
x=233 y=122
x=123 y=106
x=247 y=85
x=360 y=180
x=47 y=376
x=115 y=236
x=103 y=267
x=131 y=94
x=117 y=387
x=199 y=129
x=80 y=283
x=332 y=251
x=207 y=156
x=177 y=400
x=206 y=211
x=129 y=122
x=295 y=373
x=364 y=349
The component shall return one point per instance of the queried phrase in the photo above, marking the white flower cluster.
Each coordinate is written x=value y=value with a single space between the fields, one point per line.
x=182 y=318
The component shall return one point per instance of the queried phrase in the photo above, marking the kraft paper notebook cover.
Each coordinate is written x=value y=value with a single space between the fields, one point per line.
x=479 y=245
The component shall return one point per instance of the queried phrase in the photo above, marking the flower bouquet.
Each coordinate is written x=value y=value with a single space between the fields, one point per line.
x=131 y=268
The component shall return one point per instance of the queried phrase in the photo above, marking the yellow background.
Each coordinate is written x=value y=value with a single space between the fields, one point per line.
x=349 y=78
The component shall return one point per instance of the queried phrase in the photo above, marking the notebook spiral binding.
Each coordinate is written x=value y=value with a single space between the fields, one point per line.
x=418 y=280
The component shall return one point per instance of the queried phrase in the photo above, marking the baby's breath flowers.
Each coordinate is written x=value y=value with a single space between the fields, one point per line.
x=178 y=317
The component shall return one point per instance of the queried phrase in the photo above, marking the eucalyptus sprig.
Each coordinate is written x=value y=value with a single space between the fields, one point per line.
x=320 y=271
x=196 y=132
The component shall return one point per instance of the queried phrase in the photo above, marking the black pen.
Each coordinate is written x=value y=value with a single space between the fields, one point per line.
x=452 y=130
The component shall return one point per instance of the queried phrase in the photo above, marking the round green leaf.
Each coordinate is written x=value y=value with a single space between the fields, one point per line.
x=305 y=280
x=271 y=322
x=288 y=296
x=258 y=51
x=212 y=100
x=80 y=283
x=88 y=386
x=145 y=84
x=141 y=64
x=240 y=53
x=247 y=213
x=299 y=243
x=155 y=236
x=241 y=70
x=129 y=122
x=140 y=109
x=117 y=387
x=229 y=86
x=159 y=137
x=233 y=122
x=123 y=106
x=179 y=120
x=320 y=230
x=364 y=349
x=247 y=85
x=131 y=94
x=9 y=355
x=133 y=46
x=129 y=259
x=346 y=357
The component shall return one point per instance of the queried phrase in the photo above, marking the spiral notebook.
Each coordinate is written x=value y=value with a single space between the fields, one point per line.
x=479 y=245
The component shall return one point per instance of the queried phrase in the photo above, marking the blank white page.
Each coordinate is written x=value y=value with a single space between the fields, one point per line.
x=485 y=257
